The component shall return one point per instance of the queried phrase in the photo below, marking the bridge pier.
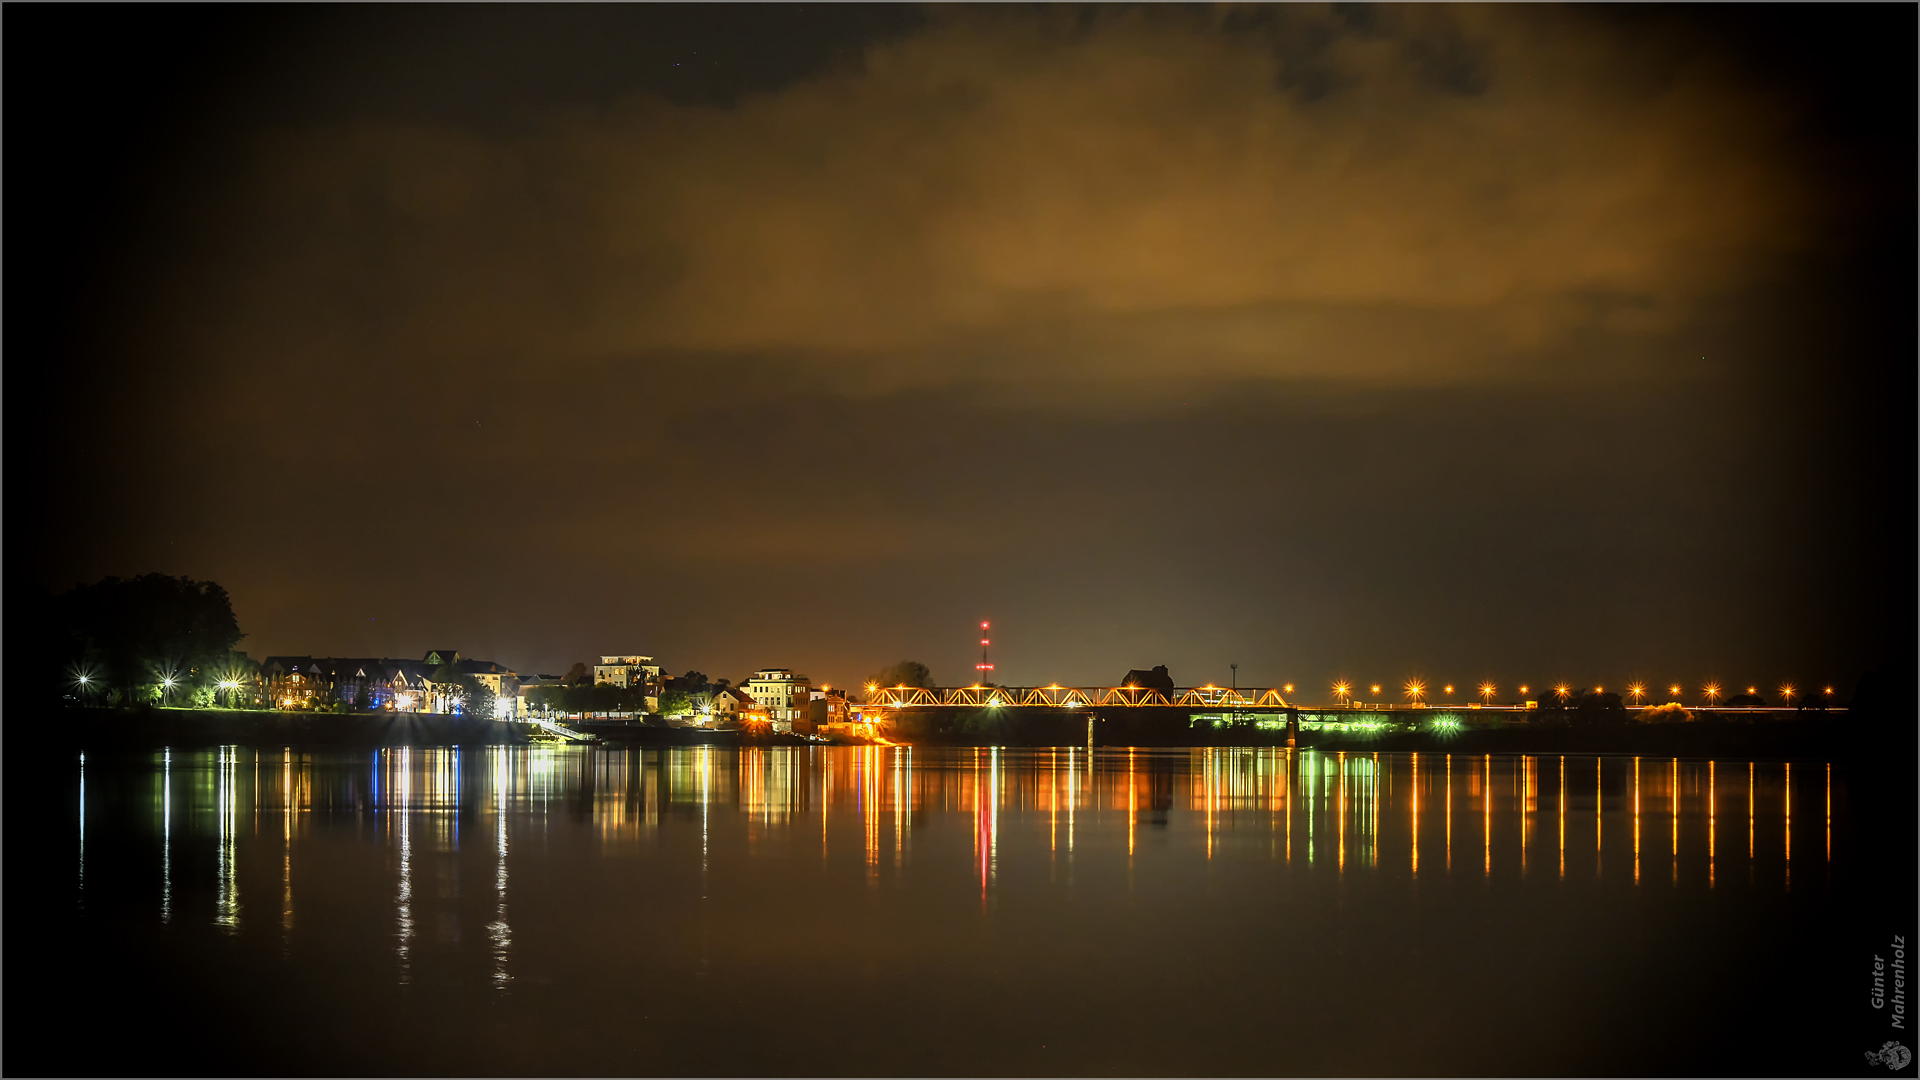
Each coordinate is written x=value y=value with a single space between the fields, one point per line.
x=1293 y=726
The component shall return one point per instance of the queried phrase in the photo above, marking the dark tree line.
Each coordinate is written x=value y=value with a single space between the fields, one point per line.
x=124 y=640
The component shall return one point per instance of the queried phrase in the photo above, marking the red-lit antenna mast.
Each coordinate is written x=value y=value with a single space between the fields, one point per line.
x=984 y=665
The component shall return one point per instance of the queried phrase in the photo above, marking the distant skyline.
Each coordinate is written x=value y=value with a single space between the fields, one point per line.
x=1512 y=343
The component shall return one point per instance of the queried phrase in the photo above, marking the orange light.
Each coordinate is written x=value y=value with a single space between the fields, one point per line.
x=1486 y=690
x=1560 y=691
x=1828 y=691
x=1376 y=688
x=1287 y=689
x=1523 y=689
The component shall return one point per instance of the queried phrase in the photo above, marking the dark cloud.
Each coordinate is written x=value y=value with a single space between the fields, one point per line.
x=1316 y=339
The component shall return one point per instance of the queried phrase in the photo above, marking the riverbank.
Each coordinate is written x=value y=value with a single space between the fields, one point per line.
x=154 y=728
x=1829 y=736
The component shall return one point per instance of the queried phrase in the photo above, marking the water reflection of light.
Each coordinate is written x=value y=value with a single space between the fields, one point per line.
x=499 y=931
x=1416 y=815
x=1373 y=812
x=1562 y=816
x=1073 y=797
x=902 y=803
x=166 y=837
x=1486 y=808
x=1636 y=821
x=1526 y=796
x=1676 y=821
x=1787 y=789
x=286 y=839
x=1713 y=819
x=226 y=905
x=400 y=790
x=1132 y=812
x=83 y=829
x=1341 y=811
x=1449 y=813
x=1829 y=811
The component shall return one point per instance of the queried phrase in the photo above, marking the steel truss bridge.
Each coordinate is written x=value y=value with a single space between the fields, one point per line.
x=1074 y=697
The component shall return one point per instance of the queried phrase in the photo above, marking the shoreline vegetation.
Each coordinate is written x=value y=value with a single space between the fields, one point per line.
x=1840 y=735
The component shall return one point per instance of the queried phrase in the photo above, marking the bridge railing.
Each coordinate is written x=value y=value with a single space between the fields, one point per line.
x=1073 y=697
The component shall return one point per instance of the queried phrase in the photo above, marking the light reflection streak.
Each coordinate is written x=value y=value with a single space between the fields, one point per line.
x=1636 y=821
x=1133 y=808
x=82 y=900
x=166 y=838
x=226 y=907
x=1373 y=813
x=499 y=931
x=1786 y=787
x=286 y=838
x=1749 y=823
x=1449 y=813
x=1526 y=798
x=400 y=784
x=1342 y=819
x=1211 y=782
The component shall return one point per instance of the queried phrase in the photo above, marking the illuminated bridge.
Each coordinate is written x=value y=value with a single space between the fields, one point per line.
x=1075 y=697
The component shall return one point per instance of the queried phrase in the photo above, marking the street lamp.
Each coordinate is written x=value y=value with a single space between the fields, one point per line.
x=1636 y=691
x=1340 y=690
x=1713 y=692
x=1486 y=693
x=1561 y=691
x=1416 y=690
x=1786 y=693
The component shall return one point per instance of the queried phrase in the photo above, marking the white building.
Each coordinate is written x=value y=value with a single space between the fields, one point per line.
x=626 y=671
x=786 y=697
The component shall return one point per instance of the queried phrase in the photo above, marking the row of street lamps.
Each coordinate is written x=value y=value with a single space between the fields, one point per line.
x=1416 y=690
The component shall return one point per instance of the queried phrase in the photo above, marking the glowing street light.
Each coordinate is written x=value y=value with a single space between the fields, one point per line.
x=1340 y=690
x=1636 y=691
x=1287 y=689
x=1449 y=689
x=1416 y=689
x=1828 y=691
x=1523 y=691
x=1786 y=693
x=1713 y=692
x=1486 y=692
x=1375 y=688
x=1561 y=691
x=1674 y=691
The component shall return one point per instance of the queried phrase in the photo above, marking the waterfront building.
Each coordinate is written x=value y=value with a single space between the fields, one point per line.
x=627 y=670
x=787 y=697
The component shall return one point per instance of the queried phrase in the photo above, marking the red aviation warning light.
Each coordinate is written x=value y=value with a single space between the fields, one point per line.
x=984 y=665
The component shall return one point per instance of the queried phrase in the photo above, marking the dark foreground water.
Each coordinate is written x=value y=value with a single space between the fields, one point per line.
x=535 y=910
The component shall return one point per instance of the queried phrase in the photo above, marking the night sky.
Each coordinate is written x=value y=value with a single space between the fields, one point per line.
x=1529 y=344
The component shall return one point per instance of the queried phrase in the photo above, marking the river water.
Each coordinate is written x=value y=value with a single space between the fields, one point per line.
x=536 y=910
